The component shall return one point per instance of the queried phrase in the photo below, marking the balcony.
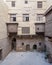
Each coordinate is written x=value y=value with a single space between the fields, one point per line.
x=12 y=27
x=40 y=28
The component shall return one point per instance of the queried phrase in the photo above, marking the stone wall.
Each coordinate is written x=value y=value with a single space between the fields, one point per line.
x=5 y=46
x=30 y=42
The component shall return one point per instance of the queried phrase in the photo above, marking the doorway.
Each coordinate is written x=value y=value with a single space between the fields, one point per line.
x=0 y=54
x=34 y=46
x=13 y=45
x=27 y=47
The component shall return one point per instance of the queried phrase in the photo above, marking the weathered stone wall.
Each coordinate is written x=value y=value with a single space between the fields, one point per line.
x=4 y=43
x=5 y=46
x=31 y=42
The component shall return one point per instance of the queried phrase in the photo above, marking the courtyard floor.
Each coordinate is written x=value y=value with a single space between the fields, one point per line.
x=25 y=58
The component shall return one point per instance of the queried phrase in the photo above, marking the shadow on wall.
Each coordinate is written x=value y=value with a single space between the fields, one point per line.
x=0 y=54
x=13 y=44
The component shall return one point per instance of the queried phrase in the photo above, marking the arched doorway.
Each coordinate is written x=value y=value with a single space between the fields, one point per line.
x=13 y=45
x=27 y=47
x=34 y=46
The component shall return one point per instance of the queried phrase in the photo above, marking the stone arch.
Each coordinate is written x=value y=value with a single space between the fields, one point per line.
x=13 y=44
x=34 y=46
x=27 y=47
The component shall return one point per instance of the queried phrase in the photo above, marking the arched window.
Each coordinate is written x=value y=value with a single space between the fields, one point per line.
x=39 y=43
x=34 y=46
x=27 y=47
x=22 y=43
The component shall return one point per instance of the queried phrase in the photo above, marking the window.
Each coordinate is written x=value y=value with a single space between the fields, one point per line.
x=25 y=30
x=12 y=17
x=22 y=44
x=37 y=28
x=26 y=2
x=25 y=17
x=39 y=4
x=13 y=3
x=40 y=44
x=39 y=17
